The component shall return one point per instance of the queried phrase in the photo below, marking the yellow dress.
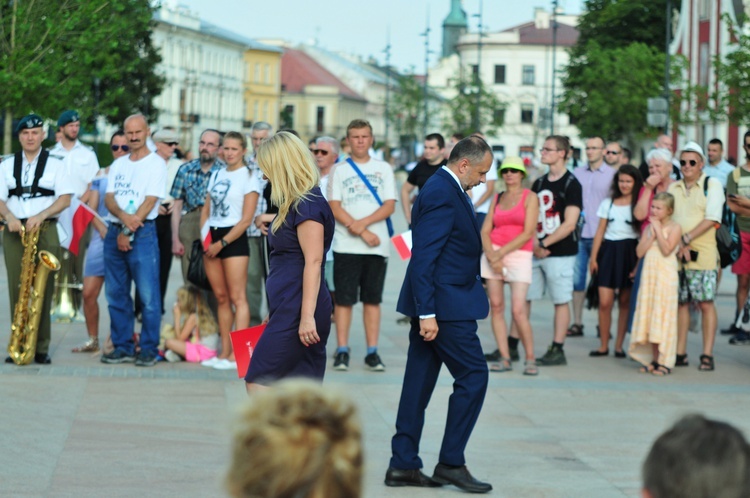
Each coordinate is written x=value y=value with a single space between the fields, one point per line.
x=655 y=319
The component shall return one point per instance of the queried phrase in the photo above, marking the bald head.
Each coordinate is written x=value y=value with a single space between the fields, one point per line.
x=137 y=131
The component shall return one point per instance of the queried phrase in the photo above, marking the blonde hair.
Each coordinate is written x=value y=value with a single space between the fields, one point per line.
x=290 y=167
x=667 y=199
x=190 y=301
x=298 y=440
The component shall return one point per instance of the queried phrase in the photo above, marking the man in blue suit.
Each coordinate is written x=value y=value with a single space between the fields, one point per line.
x=443 y=294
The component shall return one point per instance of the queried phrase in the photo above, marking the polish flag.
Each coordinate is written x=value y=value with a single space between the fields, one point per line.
x=402 y=243
x=206 y=236
x=72 y=224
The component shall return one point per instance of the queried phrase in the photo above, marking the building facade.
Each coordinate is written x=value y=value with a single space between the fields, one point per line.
x=262 y=84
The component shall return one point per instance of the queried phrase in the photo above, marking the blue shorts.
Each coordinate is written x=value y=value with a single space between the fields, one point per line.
x=94 y=266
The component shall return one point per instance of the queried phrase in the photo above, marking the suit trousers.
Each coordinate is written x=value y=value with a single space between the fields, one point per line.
x=13 y=249
x=458 y=347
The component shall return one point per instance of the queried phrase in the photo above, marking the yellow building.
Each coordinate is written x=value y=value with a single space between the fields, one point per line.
x=262 y=84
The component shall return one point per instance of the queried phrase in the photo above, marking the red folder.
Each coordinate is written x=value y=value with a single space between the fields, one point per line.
x=244 y=342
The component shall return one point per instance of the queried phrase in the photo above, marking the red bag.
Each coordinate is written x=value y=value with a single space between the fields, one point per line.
x=244 y=342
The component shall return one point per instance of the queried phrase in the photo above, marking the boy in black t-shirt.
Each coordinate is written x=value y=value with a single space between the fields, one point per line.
x=555 y=248
x=434 y=158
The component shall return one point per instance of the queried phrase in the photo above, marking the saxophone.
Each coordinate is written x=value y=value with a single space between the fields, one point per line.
x=27 y=313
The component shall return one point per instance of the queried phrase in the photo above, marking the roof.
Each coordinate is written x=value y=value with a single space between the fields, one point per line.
x=363 y=69
x=299 y=70
x=529 y=34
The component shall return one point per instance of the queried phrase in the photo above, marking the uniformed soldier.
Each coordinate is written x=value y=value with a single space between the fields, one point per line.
x=82 y=165
x=34 y=189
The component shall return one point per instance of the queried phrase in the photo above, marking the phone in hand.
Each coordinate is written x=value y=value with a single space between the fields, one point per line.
x=733 y=196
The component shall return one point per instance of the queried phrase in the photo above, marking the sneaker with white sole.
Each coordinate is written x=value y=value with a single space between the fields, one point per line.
x=374 y=363
x=224 y=364
x=210 y=362
x=172 y=357
x=341 y=361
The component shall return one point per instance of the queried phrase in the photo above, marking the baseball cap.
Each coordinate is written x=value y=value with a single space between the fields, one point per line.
x=513 y=162
x=694 y=147
x=165 y=136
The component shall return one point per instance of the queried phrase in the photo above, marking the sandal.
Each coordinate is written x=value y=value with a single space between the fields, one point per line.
x=707 y=363
x=575 y=330
x=530 y=368
x=504 y=365
x=681 y=360
x=90 y=346
x=661 y=370
x=647 y=369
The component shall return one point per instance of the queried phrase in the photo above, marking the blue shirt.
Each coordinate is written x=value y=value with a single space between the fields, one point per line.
x=191 y=183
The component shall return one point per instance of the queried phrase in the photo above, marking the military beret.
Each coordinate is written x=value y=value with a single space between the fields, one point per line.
x=68 y=117
x=28 y=122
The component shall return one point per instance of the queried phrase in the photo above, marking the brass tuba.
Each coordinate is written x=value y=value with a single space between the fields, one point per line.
x=26 y=315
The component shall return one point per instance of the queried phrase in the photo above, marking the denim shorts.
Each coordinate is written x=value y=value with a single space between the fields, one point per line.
x=581 y=269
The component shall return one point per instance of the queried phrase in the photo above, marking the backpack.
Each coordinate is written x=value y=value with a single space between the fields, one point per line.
x=581 y=220
x=728 y=240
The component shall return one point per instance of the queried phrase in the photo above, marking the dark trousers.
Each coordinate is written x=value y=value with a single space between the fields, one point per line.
x=164 y=239
x=457 y=346
x=13 y=249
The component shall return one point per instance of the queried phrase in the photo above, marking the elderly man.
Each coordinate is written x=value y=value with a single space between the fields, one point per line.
x=35 y=187
x=698 y=204
x=189 y=193
x=135 y=185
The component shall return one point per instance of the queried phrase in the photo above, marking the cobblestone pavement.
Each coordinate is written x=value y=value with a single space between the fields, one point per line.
x=81 y=428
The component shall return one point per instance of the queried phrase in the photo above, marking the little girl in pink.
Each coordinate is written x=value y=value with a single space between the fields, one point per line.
x=196 y=339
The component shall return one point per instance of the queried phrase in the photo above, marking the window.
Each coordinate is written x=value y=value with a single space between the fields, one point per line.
x=257 y=73
x=499 y=117
x=320 y=119
x=266 y=74
x=500 y=75
x=287 y=117
x=703 y=67
x=474 y=73
x=528 y=75
x=527 y=113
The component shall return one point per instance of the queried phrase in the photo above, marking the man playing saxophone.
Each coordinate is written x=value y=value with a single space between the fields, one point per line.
x=34 y=188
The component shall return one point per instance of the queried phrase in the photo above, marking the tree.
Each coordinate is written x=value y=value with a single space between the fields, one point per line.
x=52 y=53
x=463 y=108
x=615 y=66
x=732 y=101
x=407 y=106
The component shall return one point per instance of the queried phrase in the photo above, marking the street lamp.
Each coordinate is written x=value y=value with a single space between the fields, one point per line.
x=554 y=67
x=475 y=118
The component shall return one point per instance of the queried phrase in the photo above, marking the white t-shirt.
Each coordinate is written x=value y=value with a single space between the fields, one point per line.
x=54 y=177
x=480 y=189
x=620 y=226
x=357 y=200
x=324 y=181
x=136 y=180
x=227 y=190
x=81 y=162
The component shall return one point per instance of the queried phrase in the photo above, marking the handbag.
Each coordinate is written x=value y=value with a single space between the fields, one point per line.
x=196 y=273
x=592 y=293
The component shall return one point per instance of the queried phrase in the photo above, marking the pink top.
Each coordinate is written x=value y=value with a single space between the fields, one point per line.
x=507 y=225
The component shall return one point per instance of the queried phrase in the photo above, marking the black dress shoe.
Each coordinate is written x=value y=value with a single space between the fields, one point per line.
x=596 y=353
x=461 y=478
x=411 y=477
x=8 y=359
x=42 y=359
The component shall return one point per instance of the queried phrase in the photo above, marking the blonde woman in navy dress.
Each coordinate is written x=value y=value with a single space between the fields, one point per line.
x=299 y=320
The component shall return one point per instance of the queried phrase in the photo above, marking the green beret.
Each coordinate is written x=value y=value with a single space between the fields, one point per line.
x=68 y=117
x=28 y=122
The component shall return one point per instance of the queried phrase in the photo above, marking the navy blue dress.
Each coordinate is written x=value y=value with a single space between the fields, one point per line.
x=279 y=352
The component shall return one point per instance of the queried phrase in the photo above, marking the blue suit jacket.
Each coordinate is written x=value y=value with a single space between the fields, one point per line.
x=443 y=274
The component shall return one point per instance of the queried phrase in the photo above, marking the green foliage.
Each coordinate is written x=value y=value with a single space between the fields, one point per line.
x=407 y=106
x=732 y=101
x=53 y=51
x=463 y=109
x=616 y=23
x=607 y=89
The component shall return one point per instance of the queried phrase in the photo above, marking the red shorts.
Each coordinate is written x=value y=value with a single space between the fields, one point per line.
x=742 y=265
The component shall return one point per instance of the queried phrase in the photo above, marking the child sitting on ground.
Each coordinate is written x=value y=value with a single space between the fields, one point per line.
x=193 y=335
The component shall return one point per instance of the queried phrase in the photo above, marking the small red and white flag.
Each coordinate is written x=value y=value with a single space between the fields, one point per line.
x=402 y=243
x=72 y=224
x=206 y=236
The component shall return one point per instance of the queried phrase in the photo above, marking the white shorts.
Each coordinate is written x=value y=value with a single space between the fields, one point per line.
x=554 y=274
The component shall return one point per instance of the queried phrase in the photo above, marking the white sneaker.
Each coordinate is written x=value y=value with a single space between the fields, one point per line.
x=172 y=357
x=225 y=364
x=210 y=362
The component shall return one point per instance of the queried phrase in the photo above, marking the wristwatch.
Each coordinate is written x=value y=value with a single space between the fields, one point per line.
x=541 y=244
x=224 y=243
x=126 y=231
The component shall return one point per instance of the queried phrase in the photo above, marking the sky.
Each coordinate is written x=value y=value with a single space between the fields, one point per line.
x=362 y=27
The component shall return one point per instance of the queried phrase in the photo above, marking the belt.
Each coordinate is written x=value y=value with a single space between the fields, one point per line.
x=51 y=220
x=118 y=224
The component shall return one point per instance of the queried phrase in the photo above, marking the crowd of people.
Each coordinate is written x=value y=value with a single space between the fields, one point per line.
x=645 y=242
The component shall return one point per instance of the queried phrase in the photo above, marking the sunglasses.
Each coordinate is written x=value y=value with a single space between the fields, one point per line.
x=510 y=170
x=124 y=148
x=612 y=152
x=171 y=144
x=320 y=151
x=691 y=162
x=747 y=146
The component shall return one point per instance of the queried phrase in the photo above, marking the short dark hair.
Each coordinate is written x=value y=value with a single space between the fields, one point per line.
x=627 y=153
x=118 y=133
x=698 y=457
x=563 y=143
x=472 y=148
x=458 y=136
x=716 y=141
x=212 y=130
x=438 y=137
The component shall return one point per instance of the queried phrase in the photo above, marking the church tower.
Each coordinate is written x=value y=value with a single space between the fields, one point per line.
x=455 y=25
